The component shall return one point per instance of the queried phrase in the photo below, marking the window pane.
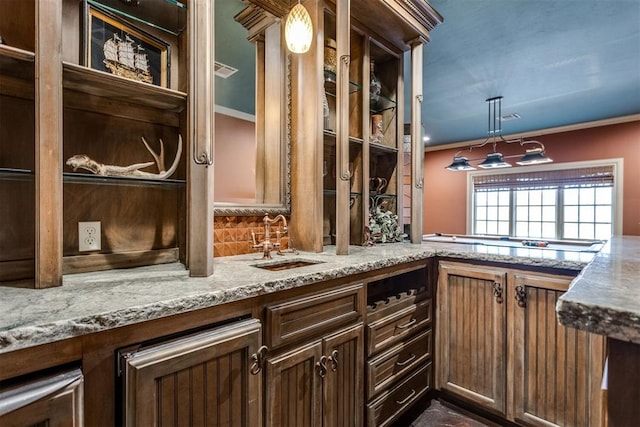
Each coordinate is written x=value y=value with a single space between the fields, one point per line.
x=571 y=231
x=603 y=195
x=587 y=231
x=549 y=197
x=571 y=196
x=603 y=214
x=535 y=197
x=586 y=214
x=481 y=212
x=492 y=213
x=481 y=227
x=603 y=231
x=492 y=228
x=549 y=213
x=492 y=198
x=481 y=198
x=548 y=230
x=571 y=213
x=535 y=213
x=503 y=228
x=522 y=213
x=503 y=213
x=522 y=229
x=535 y=229
x=587 y=196
x=522 y=198
x=503 y=198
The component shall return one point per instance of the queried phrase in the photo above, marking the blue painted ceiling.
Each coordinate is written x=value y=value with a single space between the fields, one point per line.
x=555 y=62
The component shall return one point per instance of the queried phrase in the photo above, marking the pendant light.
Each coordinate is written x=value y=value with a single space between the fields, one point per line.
x=298 y=29
x=494 y=159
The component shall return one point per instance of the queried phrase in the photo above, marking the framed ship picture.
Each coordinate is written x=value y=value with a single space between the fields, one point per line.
x=117 y=47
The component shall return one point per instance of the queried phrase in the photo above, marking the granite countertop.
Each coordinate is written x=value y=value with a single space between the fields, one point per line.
x=605 y=297
x=98 y=301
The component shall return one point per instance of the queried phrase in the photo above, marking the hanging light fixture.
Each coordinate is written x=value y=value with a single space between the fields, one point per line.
x=298 y=29
x=495 y=159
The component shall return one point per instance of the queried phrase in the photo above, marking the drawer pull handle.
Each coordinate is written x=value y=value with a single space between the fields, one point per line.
x=258 y=358
x=334 y=360
x=521 y=296
x=410 y=359
x=322 y=366
x=406 y=325
x=406 y=399
x=497 y=292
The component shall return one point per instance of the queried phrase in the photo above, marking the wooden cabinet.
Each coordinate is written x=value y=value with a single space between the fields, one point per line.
x=318 y=383
x=471 y=318
x=348 y=156
x=53 y=401
x=54 y=105
x=399 y=343
x=208 y=378
x=314 y=374
x=501 y=347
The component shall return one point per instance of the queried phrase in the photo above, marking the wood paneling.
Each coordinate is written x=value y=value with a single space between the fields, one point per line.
x=53 y=401
x=201 y=379
x=471 y=334
x=391 y=329
x=294 y=388
x=343 y=384
x=557 y=370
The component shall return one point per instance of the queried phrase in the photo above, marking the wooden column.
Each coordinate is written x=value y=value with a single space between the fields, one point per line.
x=417 y=145
x=201 y=138
x=48 y=140
x=343 y=174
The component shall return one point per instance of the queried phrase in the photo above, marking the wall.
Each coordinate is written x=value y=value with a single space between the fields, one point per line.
x=445 y=191
x=234 y=161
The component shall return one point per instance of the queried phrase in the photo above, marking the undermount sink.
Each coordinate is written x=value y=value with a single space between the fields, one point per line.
x=286 y=264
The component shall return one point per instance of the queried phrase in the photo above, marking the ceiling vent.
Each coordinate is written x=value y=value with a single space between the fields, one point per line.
x=511 y=116
x=223 y=70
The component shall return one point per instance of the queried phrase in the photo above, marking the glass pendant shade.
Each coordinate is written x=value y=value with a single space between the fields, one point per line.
x=460 y=164
x=494 y=160
x=534 y=157
x=298 y=30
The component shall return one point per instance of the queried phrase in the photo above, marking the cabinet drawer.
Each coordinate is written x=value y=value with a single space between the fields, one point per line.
x=392 y=329
x=382 y=411
x=397 y=362
x=310 y=316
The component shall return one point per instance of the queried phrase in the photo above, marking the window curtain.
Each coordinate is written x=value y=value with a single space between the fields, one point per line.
x=598 y=176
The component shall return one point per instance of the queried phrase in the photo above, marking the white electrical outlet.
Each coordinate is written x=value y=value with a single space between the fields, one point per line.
x=89 y=236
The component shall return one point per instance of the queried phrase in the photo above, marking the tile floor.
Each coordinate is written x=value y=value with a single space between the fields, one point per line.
x=439 y=415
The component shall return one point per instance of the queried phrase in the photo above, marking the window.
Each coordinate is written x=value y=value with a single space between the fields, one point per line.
x=576 y=202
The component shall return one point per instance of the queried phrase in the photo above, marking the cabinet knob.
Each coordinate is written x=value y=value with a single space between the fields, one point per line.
x=521 y=296
x=334 y=360
x=258 y=358
x=497 y=292
x=322 y=366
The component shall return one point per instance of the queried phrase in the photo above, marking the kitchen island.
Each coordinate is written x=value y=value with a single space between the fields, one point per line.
x=82 y=322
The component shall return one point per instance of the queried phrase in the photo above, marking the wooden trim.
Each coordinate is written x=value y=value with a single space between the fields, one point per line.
x=99 y=262
x=417 y=161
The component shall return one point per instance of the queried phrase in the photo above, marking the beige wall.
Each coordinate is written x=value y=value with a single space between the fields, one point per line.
x=235 y=160
x=445 y=191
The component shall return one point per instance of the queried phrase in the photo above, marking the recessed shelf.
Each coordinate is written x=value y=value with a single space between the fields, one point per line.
x=169 y=16
x=330 y=137
x=381 y=148
x=382 y=104
x=83 y=178
x=330 y=81
x=11 y=174
x=98 y=83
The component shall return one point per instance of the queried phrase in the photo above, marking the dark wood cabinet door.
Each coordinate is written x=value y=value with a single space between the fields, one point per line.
x=203 y=379
x=294 y=387
x=343 y=387
x=55 y=401
x=557 y=370
x=471 y=332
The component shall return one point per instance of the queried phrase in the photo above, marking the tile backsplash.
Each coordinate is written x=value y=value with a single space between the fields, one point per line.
x=232 y=234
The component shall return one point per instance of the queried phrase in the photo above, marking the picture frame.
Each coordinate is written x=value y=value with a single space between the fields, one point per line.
x=115 y=46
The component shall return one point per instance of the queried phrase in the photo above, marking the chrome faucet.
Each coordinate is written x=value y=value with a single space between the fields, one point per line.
x=267 y=245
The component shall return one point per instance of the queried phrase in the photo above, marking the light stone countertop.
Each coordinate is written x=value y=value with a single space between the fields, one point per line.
x=605 y=297
x=98 y=301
